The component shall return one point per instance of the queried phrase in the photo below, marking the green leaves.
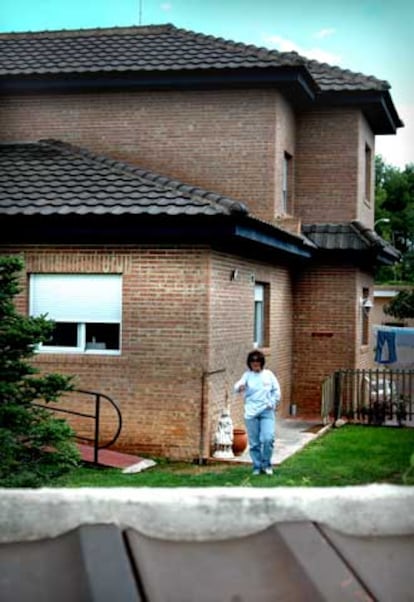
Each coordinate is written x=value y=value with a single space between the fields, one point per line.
x=402 y=305
x=394 y=200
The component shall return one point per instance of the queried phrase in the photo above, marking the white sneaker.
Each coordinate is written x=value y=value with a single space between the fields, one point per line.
x=256 y=472
x=268 y=471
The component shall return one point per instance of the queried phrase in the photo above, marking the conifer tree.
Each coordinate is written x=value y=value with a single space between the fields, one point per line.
x=35 y=445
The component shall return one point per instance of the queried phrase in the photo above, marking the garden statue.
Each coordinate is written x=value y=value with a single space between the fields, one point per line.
x=224 y=436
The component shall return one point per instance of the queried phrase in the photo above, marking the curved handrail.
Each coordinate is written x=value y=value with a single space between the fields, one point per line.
x=97 y=402
x=95 y=416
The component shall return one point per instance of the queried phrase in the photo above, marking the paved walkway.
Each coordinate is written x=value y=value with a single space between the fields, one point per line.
x=292 y=434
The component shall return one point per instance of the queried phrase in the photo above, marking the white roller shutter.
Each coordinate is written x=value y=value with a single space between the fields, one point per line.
x=77 y=297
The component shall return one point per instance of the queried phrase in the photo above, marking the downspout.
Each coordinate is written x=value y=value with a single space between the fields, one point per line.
x=204 y=377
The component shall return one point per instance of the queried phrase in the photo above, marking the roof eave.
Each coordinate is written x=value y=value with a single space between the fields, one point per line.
x=362 y=257
x=295 y=81
x=225 y=231
x=274 y=238
x=382 y=250
x=376 y=105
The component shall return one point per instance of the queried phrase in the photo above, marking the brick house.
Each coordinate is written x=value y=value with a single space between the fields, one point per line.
x=178 y=198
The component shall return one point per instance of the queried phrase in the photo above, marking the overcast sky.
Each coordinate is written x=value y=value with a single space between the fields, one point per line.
x=375 y=37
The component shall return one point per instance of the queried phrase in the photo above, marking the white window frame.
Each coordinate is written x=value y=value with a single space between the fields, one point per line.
x=79 y=299
x=259 y=315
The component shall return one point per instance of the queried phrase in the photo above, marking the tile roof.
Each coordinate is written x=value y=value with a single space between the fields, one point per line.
x=51 y=177
x=156 y=48
x=350 y=236
x=335 y=236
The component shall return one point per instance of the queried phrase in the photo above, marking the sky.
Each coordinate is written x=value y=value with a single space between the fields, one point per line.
x=374 y=37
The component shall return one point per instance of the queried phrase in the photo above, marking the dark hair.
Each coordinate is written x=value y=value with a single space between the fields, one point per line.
x=257 y=356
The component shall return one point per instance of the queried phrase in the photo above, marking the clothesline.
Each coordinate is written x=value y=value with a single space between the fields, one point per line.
x=394 y=345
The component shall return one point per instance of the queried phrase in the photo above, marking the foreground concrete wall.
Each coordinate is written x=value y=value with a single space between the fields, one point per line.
x=199 y=514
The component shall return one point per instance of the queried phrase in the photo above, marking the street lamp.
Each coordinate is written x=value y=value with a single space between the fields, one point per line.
x=385 y=220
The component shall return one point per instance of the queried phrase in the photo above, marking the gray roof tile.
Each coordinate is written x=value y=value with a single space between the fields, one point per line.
x=51 y=177
x=349 y=236
x=156 y=48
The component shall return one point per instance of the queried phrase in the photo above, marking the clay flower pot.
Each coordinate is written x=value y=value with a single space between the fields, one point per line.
x=239 y=441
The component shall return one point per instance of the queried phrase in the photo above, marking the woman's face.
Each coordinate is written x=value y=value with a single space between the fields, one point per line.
x=256 y=365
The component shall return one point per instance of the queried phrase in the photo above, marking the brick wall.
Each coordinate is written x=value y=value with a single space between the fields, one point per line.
x=327 y=333
x=327 y=165
x=231 y=142
x=157 y=378
x=366 y=204
x=221 y=140
x=186 y=331
x=285 y=142
x=364 y=351
x=231 y=329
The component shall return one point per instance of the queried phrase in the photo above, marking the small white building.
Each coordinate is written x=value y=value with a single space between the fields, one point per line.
x=382 y=296
x=397 y=335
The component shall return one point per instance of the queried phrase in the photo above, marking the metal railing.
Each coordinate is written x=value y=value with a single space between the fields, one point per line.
x=371 y=396
x=95 y=415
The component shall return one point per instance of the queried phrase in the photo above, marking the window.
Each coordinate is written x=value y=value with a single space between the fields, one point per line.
x=286 y=169
x=261 y=315
x=368 y=173
x=85 y=307
x=365 y=317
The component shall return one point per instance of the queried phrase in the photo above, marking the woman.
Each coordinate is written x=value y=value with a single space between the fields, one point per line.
x=261 y=391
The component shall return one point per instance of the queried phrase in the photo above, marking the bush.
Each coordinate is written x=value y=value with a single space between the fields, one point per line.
x=35 y=446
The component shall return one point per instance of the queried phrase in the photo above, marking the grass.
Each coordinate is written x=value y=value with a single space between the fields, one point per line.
x=352 y=455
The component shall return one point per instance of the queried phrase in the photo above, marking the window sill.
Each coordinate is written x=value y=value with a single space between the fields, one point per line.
x=82 y=352
x=267 y=351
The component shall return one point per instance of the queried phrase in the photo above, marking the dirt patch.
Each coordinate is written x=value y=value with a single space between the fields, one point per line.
x=315 y=428
x=195 y=469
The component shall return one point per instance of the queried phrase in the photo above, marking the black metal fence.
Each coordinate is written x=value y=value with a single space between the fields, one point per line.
x=371 y=396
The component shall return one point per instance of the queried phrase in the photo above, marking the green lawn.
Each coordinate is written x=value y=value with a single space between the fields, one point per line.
x=352 y=455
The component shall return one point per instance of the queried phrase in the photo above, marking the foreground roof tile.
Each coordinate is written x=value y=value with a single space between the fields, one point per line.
x=52 y=177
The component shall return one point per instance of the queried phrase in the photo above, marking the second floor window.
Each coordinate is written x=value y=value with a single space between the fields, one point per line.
x=286 y=178
x=365 y=317
x=86 y=309
x=368 y=174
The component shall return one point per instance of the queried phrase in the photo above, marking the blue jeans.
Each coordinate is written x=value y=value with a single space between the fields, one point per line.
x=261 y=434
